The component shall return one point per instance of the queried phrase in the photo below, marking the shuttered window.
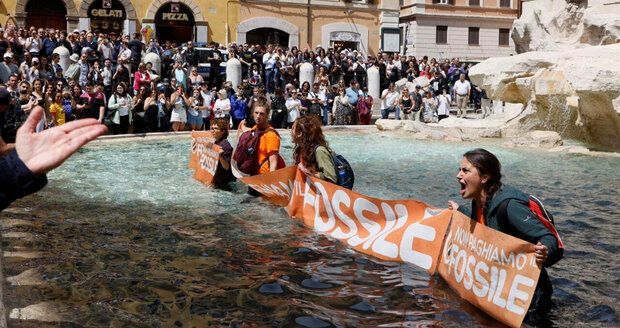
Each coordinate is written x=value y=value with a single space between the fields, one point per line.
x=474 y=36
x=504 y=37
x=441 y=36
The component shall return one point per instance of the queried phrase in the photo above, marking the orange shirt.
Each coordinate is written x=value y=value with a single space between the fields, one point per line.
x=480 y=216
x=269 y=144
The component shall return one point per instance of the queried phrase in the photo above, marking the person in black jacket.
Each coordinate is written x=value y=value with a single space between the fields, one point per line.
x=480 y=179
x=23 y=165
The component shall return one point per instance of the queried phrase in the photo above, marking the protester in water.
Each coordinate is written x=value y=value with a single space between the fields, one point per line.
x=312 y=154
x=268 y=158
x=480 y=179
x=223 y=174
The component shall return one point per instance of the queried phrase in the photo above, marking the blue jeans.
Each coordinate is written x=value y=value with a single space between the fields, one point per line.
x=386 y=112
x=325 y=115
x=269 y=80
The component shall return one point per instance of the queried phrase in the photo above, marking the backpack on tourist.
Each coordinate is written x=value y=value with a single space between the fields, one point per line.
x=538 y=208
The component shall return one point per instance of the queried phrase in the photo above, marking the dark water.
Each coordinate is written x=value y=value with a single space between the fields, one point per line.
x=127 y=239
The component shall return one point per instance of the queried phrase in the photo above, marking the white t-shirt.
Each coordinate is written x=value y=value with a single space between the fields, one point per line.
x=293 y=106
x=222 y=108
x=462 y=88
x=389 y=100
x=444 y=105
x=207 y=97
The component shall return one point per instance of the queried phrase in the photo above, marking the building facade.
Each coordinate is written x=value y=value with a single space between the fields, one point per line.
x=357 y=24
x=179 y=21
x=363 y=25
x=471 y=30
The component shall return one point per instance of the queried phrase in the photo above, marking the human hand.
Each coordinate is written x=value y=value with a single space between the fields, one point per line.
x=303 y=168
x=452 y=205
x=540 y=252
x=45 y=151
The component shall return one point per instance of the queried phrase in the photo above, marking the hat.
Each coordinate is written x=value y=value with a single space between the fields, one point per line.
x=8 y=55
x=5 y=96
x=318 y=46
x=76 y=31
x=74 y=58
x=35 y=59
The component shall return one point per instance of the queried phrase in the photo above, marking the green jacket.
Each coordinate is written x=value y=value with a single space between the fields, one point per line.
x=325 y=164
x=520 y=222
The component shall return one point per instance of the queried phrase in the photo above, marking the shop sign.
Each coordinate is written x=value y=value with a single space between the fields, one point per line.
x=175 y=12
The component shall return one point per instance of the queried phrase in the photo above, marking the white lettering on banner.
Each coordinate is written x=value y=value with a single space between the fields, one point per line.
x=488 y=251
x=376 y=235
x=107 y=13
x=174 y=16
x=384 y=247
x=283 y=190
x=341 y=197
x=460 y=264
x=407 y=253
x=209 y=162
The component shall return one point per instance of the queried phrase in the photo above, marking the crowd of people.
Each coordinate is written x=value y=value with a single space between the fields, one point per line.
x=108 y=80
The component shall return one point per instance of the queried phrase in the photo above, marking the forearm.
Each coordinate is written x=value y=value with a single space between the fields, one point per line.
x=16 y=180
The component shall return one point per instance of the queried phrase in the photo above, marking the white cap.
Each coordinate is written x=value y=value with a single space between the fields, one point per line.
x=8 y=55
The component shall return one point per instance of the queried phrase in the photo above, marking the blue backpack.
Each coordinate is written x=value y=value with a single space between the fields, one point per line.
x=344 y=171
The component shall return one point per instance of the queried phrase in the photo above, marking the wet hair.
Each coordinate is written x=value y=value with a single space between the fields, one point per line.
x=223 y=125
x=487 y=165
x=307 y=137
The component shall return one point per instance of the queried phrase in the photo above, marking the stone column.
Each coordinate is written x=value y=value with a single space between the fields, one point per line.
x=154 y=59
x=233 y=72
x=306 y=73
x=374 y=87
x=64 y=57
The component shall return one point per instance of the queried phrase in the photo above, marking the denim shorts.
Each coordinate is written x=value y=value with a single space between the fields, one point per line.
x=194 y=120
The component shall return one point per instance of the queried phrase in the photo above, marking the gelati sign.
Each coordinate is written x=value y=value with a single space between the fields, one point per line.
x=175 y=12
x=106 y=9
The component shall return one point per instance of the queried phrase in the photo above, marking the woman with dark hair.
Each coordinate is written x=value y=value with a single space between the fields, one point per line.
x=223 y=175
x=151 y=110
x=120 y=105
x=194 y=107
x=312 y=154
x=139 y=110
x=480 y=179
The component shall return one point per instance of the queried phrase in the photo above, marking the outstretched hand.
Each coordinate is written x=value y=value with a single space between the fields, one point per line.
x=45 y=151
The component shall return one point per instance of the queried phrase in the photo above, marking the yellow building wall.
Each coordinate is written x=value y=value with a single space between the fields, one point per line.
x=214 y=13
x=7 y=7
x=298 y=16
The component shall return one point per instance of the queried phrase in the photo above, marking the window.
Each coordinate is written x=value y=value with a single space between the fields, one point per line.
x=441 y=36
x=443 y=2
x=504 y=3
x=474 y=36
x=504 y=37
x=474 y=3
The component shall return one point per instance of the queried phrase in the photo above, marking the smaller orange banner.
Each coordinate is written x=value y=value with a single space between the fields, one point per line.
x=492 y=270
x=204 y=157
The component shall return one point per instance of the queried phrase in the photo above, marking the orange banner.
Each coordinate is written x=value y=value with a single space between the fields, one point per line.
x=204 y=156
x=492 y=270
x=276 y=187
x=395 y=230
